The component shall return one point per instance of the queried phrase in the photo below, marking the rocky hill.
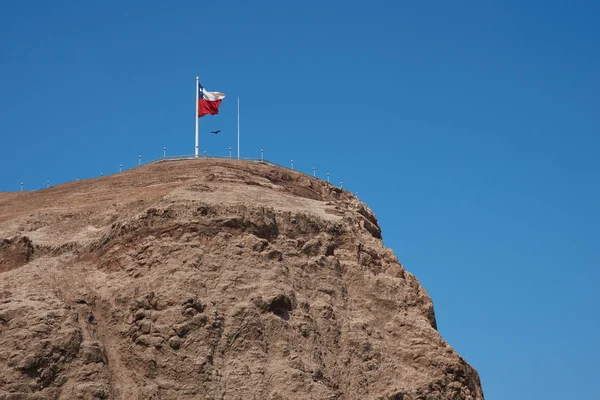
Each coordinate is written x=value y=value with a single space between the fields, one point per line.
x=208 y=279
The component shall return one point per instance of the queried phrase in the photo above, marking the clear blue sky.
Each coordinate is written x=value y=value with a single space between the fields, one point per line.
x=471 y=129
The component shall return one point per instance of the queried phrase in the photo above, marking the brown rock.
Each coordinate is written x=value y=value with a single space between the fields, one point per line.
x=15 y=252
x=212 y=279
x=175 y=342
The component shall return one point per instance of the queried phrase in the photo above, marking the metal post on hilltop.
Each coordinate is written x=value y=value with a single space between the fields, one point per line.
x=314 y=172
x=230 y=152
x=292 y=164
x=21 y=186
x=120 y=167
x=139 y=160
x=262 y=154
x=196 y=114
x=328 y=177
x=164 y=152
x=238 y=128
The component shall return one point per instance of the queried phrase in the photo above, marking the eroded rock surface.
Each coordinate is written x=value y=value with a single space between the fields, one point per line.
x=207 y=279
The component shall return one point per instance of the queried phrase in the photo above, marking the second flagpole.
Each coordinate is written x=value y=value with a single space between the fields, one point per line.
x=238 y=128
x=197 y=89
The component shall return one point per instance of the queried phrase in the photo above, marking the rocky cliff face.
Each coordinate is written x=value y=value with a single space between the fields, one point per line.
x=207 y=279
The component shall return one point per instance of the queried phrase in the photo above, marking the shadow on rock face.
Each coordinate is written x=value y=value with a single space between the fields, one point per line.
x=15 y=252
x=281 y=306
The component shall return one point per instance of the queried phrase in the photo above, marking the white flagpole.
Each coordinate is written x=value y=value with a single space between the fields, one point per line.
x=196 y=113
x=238 y=128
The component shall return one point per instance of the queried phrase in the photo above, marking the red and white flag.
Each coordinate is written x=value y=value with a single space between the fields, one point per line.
x=208 y=102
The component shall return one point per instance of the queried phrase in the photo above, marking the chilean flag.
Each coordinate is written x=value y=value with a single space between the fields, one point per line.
x=208 y=102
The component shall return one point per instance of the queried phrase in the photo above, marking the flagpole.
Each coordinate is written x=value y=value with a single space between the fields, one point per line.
x=196 y=113
x=238 y=128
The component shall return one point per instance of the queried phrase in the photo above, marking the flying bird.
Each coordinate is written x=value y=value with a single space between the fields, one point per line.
x=215 y=132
